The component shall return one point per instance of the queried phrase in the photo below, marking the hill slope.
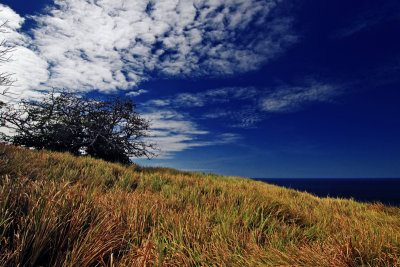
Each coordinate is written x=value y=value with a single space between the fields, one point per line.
x=57 y=209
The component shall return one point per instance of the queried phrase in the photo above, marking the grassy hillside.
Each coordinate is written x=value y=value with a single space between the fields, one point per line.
x=57 y=209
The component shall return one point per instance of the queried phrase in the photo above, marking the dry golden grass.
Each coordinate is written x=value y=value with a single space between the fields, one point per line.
x=60 y=210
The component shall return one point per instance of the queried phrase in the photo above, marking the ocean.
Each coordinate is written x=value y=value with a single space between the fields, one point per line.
x=384 y=190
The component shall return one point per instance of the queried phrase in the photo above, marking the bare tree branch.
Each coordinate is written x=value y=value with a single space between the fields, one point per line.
x=110 y=129
x=6 y=79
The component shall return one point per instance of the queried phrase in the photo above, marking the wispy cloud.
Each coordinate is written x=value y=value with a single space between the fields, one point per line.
x=244 y=107
x=116 y=44
x=174 y=132
x=289 y=99
x=158 y=102
x=200 y=99
x=136 y=93
x=219 y=104
x=366 y=19
x=243 y=116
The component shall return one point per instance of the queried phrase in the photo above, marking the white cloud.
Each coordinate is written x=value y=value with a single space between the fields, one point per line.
x=159 y=102
x=246 y=117
x=219 y=101
x=136 y=93
x=227 y=138
x=108 y=45
x=217 y=114
x=12 y=22
x=290 y=99
x=191 y=100
x=200 y=99
x=115 y=44
x=242 y=117
x=29 y=70
x=172 y=132
x=26 y=68
x=244 y=107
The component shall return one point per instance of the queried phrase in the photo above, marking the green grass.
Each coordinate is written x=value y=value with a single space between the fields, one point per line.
x=61 y=210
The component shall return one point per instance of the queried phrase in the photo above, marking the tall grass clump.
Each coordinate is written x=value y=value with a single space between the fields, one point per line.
x=61 y=210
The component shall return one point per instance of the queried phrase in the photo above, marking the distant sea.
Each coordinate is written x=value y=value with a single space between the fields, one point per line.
x=385 y=190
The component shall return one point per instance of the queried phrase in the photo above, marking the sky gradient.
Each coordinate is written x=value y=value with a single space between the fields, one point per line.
x=237 y=87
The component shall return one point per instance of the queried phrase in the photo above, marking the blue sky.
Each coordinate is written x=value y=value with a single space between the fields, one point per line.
x=238 y=87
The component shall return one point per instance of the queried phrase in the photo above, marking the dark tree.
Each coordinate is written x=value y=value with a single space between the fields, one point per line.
x=108 y=129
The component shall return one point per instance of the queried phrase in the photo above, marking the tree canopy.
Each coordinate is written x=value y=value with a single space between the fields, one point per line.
x=109 y=129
